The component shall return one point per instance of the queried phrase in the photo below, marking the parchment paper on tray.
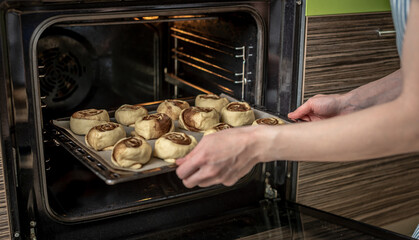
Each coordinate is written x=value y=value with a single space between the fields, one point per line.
x=105 y=156
x=113 y=174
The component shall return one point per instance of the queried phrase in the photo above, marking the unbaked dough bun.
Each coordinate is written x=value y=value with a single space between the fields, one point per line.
x=128 y=114
x=237 y=114
x=174 y=145
x=268 y=121
x=154 y=125
x=217 y=128
x=82 y=121
x=172 y=108
x=198 y=119
x=104 y=136
x=131 y=152
x=211 y=100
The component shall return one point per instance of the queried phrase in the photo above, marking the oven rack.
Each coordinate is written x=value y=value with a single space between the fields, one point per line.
x=211 y=63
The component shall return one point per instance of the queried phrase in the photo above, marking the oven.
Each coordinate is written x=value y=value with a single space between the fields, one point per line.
x=61 y=56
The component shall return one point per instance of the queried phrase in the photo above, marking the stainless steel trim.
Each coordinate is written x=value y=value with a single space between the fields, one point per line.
x=301 y=62
x=389 y=33
x=243 y=81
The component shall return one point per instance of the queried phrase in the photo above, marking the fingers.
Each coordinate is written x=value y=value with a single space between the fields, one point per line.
x=226 y=176
x=206 y=177
x=180 y=161
x=197 y=169
x=222 y=172
x=217 y=159
x=301 y=112
x=188 y=165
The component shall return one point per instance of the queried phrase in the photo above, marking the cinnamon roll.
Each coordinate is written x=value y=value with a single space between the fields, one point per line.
x=105 y=135
x=174 y=145
x=198 y=119
x=154 y=125
x=268 y=121
x=128 y=114
x=217 y=128
x=82 y=121
x=211 y=100
x=237 y=114
x=131 y=152
x=172 y=108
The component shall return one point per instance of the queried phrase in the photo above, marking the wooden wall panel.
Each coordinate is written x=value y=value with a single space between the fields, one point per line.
x=342 y=53
x=379 y=192
x=4 y=217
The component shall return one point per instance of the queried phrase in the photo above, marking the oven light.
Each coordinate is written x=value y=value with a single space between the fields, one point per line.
x=151 y=18
x=145 y=199
x=185 y=16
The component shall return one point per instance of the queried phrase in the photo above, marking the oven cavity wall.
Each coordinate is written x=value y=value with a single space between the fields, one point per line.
x=196 y=31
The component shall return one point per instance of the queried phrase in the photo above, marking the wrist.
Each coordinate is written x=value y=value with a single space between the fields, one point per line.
x=346 y=104
x=265 y=142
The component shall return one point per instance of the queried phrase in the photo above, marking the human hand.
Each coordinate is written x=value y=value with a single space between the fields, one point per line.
x=221 y=158
x=319 y=107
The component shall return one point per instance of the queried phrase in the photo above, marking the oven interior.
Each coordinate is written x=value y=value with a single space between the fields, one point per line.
x=104 y=62
x=108 y=62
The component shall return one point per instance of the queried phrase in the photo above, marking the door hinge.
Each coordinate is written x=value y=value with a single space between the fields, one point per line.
x=270 y=192
x=32 y=231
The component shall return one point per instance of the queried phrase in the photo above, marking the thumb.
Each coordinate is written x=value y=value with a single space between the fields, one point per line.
x=301 y=111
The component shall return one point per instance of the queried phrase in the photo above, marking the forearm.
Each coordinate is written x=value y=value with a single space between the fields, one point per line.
x=373 y=93
x=389 y=128
x=349 y=137
x=327 y=106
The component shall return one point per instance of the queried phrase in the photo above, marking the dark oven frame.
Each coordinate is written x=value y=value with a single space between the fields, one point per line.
x=20 y=113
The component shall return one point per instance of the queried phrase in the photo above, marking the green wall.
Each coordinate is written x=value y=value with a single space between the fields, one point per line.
x=327 y=7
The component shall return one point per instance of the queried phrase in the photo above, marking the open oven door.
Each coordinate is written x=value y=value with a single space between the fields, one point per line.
x=275 y=219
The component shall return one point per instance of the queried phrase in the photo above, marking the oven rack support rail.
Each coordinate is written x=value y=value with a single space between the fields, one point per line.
x=208 y=64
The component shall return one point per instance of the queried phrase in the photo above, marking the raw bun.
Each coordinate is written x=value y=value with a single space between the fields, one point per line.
x=237 y=114
x=210 y=100
x=272 y=121
x=104 y=135
x=82 y=121
x=128 y=114
x=172 y=108
x=132 y=152
x=198 y=119
x=154 y=126
x=217 y=128
x=174 y=145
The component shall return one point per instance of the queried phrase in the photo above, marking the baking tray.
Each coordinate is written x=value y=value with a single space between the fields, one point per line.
x=99 y=162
